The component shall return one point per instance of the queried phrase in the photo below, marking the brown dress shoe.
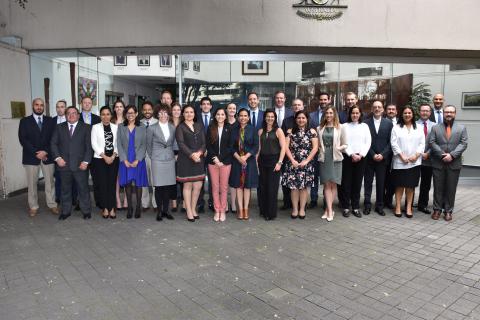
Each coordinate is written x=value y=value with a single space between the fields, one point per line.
x=245 y=214
x=448 y=216
x=55 y=210
x=240 y=214
x=32 y=212
x=436 y=215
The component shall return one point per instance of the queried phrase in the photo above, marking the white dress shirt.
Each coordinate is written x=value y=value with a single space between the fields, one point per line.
x=61 y=119
x=220 y=131
x=280 y=115
x=376 y=123
x=409 y=142
x=87 y=117
x=435 y=112
x=165 y=130
x=359 y=138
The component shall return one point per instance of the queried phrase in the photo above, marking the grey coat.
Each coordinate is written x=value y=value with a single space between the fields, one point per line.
x=162 y=156
x=456 y=145
x=140 y=142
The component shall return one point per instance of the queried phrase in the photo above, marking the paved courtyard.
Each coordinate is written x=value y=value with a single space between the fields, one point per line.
x=369 y=268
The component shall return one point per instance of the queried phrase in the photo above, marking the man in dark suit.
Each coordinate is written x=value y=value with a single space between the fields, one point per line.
x=314 y=119
x=391 y=114
x=204 y=116
x=425 y=124
x=256 y=115
x=280 y=109
x=350 y=101
x=437 y=110
x=72 y=151
x=378 y=158
x=35 y=133
x=448 y=140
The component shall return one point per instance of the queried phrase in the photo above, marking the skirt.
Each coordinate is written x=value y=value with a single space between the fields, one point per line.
x=406 y=178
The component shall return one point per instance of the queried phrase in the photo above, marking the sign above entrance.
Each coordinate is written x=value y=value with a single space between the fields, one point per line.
x=320 y=9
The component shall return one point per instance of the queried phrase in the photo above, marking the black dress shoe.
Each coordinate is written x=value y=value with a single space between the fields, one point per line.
x=389 y=206
x=138 y=213
x=159 y=216
x=425 y=210
x=167 y=215
x=366 y=211
x=201 y=209
x=77 y=207
x=312 y=204
x=196 y=217
x=191 y=220
x=357 y=213
x=380 y=211
x=174 y=209
x=145 y=209
x=286 y=206
x=346 y=213
x=129 y=213
x=293 y=217
x=301 y=217
x=183 y=210
x=63 y=216
x=87 y=216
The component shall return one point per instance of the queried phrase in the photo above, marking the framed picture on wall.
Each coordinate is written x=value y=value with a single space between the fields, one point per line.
x=120 y=61
x=254 y=68
x=196 y=66
x=143 y=61
x=87 y=88
x=185 y=65
x=165 y=61
x=471 y=100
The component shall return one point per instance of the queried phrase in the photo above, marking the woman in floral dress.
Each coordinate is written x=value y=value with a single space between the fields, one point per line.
x=299 y=171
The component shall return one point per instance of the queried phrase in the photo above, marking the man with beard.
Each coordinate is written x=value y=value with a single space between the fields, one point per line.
x=166 y=97
x=448 y=140
x=35 y=133
x=148 y=120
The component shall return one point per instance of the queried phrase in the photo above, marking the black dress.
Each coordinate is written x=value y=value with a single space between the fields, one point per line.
x=189 y=142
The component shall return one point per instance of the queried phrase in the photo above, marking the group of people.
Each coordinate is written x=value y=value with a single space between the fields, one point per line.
x=173 y=149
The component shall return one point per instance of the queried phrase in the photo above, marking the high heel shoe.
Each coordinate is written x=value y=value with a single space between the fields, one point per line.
x=331 y=218
x=245 y=214
x=129 y=213
x=112 y=214
x=216 y=217
x=324 y=215
x=240 y=214
x=105 y=216
x=222 y=216
x=138 y=213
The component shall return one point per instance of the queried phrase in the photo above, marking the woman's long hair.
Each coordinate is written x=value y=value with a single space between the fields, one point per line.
x=350 y=114
x=336 y=122
x=400 y=120
x=114 y=113
x=264 y=122
x=214 y=125
x=295 y=125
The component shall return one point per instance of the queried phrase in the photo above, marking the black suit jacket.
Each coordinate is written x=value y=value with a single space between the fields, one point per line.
x=224 y=151
x=381 y=140
x=288 y=124
x=74 y=149
x=200 y=120
x=95 y=119
x=33 y=140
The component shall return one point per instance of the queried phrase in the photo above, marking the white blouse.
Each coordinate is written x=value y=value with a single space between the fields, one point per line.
x=165 y=130
x=359 y=138
x=409 y=142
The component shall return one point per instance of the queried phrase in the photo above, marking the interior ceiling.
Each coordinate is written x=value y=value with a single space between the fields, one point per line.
x=287 y=53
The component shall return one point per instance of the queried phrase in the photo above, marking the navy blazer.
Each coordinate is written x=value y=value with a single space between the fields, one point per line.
x=95 y=119
x=259 y=119
x=288 y=114
x=381 y=140
x=33 y=140
x=313 y=119
x=288 y=124
x=200 y=120
x=75 y=149
x=224 y=151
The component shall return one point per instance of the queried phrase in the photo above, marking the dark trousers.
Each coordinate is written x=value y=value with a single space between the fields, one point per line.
x=269 y=182
x=80 y=178
x=352 y=176
x=426 y=173
x=162 y=197
x=377 y=169
x=105 y=182
x=389 y=188
x=58 y=188
x=287 y=199
x=314 y=188
x=93 y=174
x=201 y=200
x=445 y=183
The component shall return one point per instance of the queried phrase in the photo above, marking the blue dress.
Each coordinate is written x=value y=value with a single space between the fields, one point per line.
x=139 y=174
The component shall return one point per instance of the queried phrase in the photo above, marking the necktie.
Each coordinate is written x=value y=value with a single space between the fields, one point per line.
x=440 y=119
x=147 y=123
x=40 y=123
x=71 y=130
x=280 y=117
x=254 y=120
x=205 y=123
x=425 y=128
x=449 y=132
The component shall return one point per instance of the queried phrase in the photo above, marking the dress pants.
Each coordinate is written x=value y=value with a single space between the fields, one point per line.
x=58 y=188
x=146 y=198
x=201 y=200
x=389 y=188
x=106 y=177
x=269 y=182
x=219 y=181
x=162 y=197
x=445 y=183
x=287 y=199
x=314 y=188
x=352 y=176
x=377 y=169
x=80 y=178
x=426 y=173
x=32 y=183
